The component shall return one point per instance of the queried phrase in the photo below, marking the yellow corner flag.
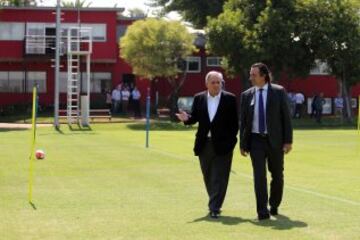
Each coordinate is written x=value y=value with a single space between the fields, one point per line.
x=33 y=142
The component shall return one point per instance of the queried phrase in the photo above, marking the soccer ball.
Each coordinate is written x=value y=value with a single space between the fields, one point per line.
x=39 y=154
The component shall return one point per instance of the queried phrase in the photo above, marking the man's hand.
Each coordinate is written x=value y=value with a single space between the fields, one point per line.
x=287 y=148
x=243 y=152
x=182 y=116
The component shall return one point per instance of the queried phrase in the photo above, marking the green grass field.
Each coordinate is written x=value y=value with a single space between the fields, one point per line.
x=104 y=184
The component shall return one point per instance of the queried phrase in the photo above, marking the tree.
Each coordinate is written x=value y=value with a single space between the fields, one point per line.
x=18 y=3
x=195 y=12
x=252 y=31
x=136 y=13
x=76 y=4
x=332 y=29
x=157 y=48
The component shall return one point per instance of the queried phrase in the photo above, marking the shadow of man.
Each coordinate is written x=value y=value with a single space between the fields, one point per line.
x=226 y=220
x=281 y=222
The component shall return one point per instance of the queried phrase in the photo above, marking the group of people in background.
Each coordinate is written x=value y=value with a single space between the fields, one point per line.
x=124 y=99
x=297 y=104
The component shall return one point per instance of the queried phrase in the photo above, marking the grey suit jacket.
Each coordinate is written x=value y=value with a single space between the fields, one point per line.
x=278 y=119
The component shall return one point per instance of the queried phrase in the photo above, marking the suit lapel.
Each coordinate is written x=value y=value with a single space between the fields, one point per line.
x=252 y=102
x=268 y=103
x=221 y=103
x=206 y=106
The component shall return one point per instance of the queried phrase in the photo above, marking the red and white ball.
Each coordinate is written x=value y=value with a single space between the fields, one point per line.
x=39 y=154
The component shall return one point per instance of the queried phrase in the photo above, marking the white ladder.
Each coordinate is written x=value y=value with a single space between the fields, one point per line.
x=79 y=43
x=73 y=80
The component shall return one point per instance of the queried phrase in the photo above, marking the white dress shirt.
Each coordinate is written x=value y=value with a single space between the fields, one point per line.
x=255 y=100
x=212 y=105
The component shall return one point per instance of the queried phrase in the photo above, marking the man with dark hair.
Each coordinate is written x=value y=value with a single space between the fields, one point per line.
x=265 y=133
x=216 y=112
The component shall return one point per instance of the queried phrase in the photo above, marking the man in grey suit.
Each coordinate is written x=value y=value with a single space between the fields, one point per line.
x=265 y=133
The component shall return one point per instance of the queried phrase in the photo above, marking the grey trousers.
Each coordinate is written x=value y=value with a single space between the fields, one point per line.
x=215 y=170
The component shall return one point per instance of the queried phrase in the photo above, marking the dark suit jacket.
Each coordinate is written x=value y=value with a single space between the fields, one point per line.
x=278 y=118
x=224 y=126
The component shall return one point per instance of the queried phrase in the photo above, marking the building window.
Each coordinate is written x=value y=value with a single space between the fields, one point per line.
x=213 y=61
x=16 y=80
x=4 y=81
x=12 y=82
x=321 y=68
x=35 y=38
x=98 y=31
x=193 y=64
x=41 y=36
x=36 y=79
x=12 y=31
x=63 y=82
x=99 y=82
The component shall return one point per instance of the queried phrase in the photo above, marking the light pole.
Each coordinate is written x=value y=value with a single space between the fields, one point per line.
x=57 y=65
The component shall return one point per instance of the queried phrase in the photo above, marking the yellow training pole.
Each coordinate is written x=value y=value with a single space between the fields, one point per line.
x=359 y=115
x=33 y=139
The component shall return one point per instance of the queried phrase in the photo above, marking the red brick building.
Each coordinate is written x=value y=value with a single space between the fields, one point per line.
x=22 y=65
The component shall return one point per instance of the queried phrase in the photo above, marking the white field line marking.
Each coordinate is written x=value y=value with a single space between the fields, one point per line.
x=322 y=195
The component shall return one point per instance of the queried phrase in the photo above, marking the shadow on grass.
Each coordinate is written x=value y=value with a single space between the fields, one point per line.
x=281 y=222
x=73 y=129
x=327 y=124
x=226 y=220
x=160 y=126
x=33 y=205
x=12 y=129
x=79 y=128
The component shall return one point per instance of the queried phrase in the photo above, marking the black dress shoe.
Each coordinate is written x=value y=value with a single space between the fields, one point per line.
x=263 y=216
x=273 y=211
x=214 y=214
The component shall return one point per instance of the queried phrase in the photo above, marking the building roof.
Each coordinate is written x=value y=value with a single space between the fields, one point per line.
x=87 y=9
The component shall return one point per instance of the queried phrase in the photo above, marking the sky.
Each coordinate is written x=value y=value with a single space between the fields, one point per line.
x=127 y=4
x=106 y=3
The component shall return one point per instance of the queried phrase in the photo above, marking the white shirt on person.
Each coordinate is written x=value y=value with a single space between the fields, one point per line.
x=212 y=105
x=299 y=98
x=136 y=94
x=125 y=95
x=255 y=101
x=116 y=95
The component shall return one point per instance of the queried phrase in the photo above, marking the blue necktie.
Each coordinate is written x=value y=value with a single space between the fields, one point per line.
x=261 y=113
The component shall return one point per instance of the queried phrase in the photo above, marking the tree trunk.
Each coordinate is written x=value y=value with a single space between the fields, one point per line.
x=245 y=80
x=176 y=85
x=173 y=105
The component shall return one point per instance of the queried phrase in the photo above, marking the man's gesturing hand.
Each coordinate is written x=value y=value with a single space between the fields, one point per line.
x=182 y=116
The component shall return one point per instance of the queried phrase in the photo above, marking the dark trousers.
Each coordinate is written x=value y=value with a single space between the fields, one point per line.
x=136 y=108
x=215 y=170
x=298 y=108
x=263 y=154
x=318 y=115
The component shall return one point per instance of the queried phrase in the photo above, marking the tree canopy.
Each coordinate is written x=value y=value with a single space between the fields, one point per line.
x=195 y=12
x=157 y=48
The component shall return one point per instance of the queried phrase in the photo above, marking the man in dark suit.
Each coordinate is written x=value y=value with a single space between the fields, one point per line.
x=265 y=133
x=216 y=112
